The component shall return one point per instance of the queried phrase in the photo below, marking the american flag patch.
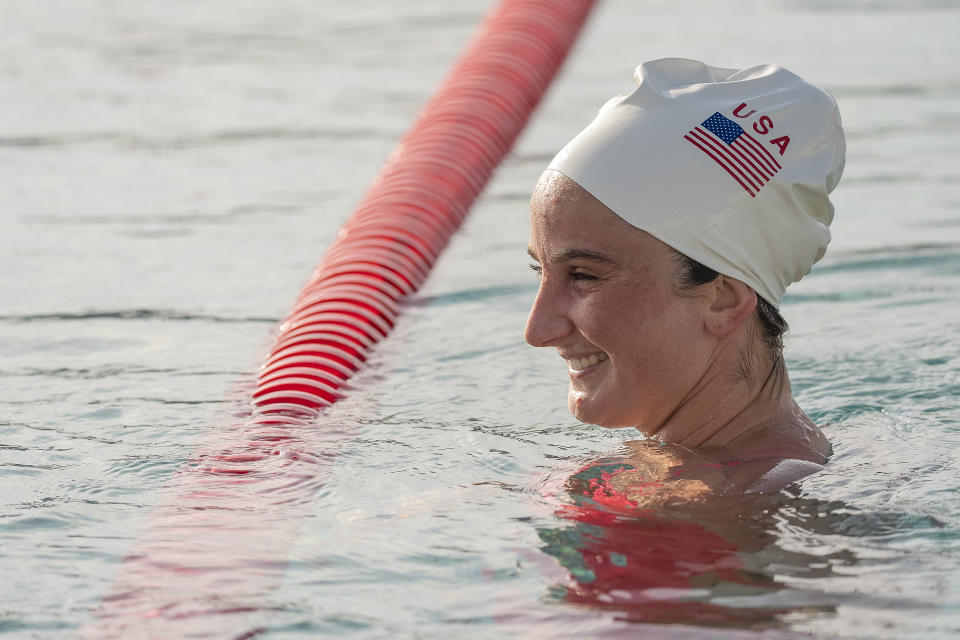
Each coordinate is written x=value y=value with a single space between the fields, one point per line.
x=739 y=153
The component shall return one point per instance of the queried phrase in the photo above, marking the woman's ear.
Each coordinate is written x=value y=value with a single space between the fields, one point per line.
x=730 y=302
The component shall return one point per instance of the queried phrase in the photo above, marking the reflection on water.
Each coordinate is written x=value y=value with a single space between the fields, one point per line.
x=217 y=542
x=642 y=550
x=660 y=566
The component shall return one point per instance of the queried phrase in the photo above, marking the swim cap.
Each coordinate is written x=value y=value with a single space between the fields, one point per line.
x=730 y=167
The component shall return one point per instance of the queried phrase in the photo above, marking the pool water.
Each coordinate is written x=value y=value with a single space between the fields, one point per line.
x=172 y=172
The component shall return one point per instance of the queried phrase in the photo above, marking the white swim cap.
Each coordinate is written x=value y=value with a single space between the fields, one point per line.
x=731 y=168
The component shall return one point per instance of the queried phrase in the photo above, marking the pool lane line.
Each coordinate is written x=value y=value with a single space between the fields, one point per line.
x=217 y=543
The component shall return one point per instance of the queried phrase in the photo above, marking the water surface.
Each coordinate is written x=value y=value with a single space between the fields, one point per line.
x=174 y=170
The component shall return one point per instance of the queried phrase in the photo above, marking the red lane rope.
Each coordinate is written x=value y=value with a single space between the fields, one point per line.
x=419 y=199
x=217 y=542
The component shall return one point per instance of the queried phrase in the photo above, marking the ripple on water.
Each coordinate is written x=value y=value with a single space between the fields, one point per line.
x=21 y=524
x=150 y=469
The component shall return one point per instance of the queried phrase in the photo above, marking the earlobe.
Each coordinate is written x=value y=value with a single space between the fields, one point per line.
x=730 y=303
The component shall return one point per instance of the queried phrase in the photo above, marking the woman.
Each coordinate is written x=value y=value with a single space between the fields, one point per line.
x=665 y=235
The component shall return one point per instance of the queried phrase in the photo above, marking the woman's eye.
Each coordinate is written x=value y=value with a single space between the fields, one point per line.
x=580 y=276
x=575 y=275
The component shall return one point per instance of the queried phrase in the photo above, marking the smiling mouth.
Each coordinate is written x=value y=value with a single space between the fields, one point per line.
x=576 y=365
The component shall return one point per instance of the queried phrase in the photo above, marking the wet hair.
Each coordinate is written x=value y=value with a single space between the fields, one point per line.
x=691 y=274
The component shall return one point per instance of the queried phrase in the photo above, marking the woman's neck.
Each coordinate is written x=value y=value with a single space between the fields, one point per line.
x=745 y=408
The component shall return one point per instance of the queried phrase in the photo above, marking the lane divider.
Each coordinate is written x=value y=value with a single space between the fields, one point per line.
x=218 y=542
x=386 y=249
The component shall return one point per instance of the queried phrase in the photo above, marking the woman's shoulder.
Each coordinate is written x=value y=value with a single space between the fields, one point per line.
x=769 y=475
x=775 y=457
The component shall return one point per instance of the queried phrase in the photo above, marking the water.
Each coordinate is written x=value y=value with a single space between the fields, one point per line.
x=172 y=171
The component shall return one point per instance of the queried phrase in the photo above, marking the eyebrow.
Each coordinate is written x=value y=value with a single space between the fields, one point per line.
x=565 y=255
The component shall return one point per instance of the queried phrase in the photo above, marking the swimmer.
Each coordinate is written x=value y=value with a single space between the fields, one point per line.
x=664 y=236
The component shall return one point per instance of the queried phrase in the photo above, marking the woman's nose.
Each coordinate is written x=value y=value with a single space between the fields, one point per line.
x=548 y=321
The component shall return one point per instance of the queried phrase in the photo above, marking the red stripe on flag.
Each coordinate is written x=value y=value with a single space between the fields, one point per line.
x=760 y=151
x=720 y=148
x=759 y=180
x=759 y=171
x=719 y=162
x=763 y=149
x=743 y=146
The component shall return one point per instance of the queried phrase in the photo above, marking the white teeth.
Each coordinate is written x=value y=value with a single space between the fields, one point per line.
x=579 y=364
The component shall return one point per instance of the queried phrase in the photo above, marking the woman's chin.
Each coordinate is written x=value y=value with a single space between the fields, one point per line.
x=587 y=408
x=579 y=405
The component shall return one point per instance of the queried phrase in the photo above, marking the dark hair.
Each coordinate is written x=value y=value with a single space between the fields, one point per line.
x=691 y=273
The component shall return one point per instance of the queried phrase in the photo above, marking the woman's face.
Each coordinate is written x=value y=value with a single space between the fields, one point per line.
x=634 y=348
